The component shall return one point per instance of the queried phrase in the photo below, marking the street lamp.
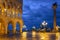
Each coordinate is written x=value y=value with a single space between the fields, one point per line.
x=54 y=8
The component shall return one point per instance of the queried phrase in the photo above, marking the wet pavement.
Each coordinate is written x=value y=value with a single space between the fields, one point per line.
x=32 y=36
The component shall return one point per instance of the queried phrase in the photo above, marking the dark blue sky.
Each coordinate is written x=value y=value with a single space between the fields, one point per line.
x=36 y=11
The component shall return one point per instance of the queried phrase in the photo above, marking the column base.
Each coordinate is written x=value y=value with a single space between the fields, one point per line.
x=54 y=31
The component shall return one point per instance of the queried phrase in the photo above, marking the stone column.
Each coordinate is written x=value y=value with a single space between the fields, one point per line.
x=21 y=25
x=14 y=28
x=54 y=20
x=6 y=29
x=20 y=29
x=54 y=8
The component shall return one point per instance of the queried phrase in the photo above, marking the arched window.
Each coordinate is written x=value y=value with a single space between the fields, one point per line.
x=18 y=15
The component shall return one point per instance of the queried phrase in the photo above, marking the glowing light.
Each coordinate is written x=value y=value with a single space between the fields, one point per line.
x=13 y=12
x=44 y=23
x=57 y=36
x=5 y=9
x=42 y=37
x=58 y=26
x=0 y=23
x=24 y=34
x=2 y=10
x=33 y=33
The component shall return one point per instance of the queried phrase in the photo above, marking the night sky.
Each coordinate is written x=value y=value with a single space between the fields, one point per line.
x=37 y=11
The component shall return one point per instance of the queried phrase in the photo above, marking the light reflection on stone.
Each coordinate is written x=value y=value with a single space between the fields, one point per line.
x=35 y=36
x=44 y=36
x=57 y=36
x=24 y=34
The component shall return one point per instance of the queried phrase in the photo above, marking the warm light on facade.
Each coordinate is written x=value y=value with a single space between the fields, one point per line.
x=2 y=10
x=8 y=12
x=5 y=10
x=0 y=24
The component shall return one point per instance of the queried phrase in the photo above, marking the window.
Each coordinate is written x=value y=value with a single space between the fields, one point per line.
x=18 y=14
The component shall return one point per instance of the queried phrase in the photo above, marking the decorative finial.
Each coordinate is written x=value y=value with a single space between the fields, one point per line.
x=55 y=4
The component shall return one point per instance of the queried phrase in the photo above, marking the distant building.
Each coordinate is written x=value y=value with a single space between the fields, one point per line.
x=43 y=26
x=24 y=26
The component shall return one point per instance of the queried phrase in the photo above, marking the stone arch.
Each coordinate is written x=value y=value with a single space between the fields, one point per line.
x=2 y=26
x=10 y=26
x=21 y=24
x=17 y=27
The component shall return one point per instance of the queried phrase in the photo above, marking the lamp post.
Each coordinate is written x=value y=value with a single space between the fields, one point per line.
x=54 y=9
